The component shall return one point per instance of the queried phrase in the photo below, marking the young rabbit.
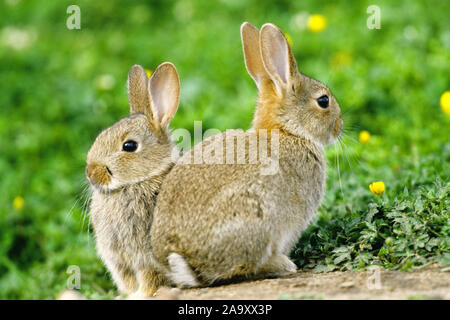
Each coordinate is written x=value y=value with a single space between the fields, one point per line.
x=217 y=222
x=125 y=167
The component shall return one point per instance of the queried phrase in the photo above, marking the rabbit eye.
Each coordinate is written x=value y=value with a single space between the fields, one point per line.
x=323 y=101
x=129 y=146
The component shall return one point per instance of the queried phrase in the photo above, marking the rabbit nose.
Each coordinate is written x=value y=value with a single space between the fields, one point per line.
x=98 y=173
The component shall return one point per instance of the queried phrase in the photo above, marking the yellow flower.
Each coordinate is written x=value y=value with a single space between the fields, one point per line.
x=377 y=187
x=18 y=203
x=148 y=72
x=289 y=39
x=445 y=102
x=317 y=22
x=341 y=59
x=364 y=136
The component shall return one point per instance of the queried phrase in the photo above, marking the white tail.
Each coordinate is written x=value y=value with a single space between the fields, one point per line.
x=180 y=272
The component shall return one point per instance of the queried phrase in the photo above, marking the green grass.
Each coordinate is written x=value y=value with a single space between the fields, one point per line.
x=406 y=227
x=54 y=100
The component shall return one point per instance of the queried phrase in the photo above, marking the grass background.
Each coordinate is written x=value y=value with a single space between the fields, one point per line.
x=60 y=87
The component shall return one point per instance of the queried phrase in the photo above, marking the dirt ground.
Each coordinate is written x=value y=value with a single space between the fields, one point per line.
x=431 y=283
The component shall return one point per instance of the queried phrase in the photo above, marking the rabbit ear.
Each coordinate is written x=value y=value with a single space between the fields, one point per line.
x=164 y=88
x=138 y=96
x=252 y=52
x=277 y=56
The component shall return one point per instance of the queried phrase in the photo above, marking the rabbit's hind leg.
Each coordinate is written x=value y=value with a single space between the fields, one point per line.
x=150 y=281
x=124 y=278
x=278 y=265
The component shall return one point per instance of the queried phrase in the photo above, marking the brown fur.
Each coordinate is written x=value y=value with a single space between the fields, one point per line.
x=269 y=105
x=98 y=173
x=125 y=184
x=229 y=221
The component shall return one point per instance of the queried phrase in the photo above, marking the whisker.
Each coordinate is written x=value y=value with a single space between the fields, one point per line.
x=78 y=200
x=339 y=171
x=85 y=208
x=70 y=212
x=345 y=154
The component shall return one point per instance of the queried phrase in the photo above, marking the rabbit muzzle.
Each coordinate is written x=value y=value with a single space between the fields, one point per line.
x=98 y=174
x=338 y=125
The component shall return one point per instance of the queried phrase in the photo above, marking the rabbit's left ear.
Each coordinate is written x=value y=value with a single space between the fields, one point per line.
x=277 y=56
x=138 y=96
x=164 y=88
x=252 y=53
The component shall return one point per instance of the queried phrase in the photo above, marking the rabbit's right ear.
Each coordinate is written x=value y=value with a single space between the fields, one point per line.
x=164 y=88
x=277 y=56
x=252 y=52
x=138 y=96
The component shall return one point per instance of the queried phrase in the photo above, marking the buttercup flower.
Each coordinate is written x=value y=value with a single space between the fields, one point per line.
x=445 y=102
x=341 y=59
x=364 y=136
x=18 y=203
x=317 y=22
x=289 y=39
x=377 y=187
x=148 y=72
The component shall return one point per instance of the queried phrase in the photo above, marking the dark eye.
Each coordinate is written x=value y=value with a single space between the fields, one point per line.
x=323 y=101
x=129 y=146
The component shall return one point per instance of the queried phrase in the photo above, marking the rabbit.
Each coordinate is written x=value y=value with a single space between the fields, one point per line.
x=125 y=167
x=217 y=223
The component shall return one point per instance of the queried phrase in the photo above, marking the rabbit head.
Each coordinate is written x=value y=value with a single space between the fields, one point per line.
x=137 y=147
x=288 y=100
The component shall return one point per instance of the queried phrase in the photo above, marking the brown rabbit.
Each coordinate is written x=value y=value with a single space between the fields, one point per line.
x=125 y=167
x=217 y=222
